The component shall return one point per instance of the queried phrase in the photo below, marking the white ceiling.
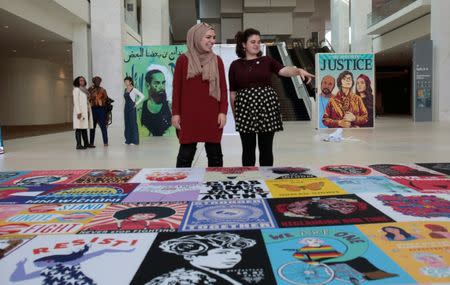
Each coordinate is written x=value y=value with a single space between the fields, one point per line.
x=400 y=55
x=21 y=38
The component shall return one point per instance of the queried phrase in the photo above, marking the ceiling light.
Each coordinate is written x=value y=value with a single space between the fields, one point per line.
x=68 y=50
x=14 y=50
x=5 y=27
x=42 y=40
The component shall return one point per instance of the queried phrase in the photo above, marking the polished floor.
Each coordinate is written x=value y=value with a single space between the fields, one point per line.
x=395 y=139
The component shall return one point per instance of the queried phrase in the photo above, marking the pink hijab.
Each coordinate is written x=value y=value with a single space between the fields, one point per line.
x=201 y=62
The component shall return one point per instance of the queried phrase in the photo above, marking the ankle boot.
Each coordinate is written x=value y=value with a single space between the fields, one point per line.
x=78 y=139
x=215 y=161
x=84 y=135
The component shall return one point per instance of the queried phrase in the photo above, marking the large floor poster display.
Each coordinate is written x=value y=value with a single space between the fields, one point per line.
x=346 y=90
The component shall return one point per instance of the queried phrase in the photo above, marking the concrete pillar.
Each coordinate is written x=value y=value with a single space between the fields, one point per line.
x=155 y=22
x=339 y=25
x=440 y=31
x=108 y=36
x=361 y=42
x=81 y=52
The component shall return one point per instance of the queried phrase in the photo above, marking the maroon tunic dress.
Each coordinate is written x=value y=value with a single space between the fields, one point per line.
x=197 y=109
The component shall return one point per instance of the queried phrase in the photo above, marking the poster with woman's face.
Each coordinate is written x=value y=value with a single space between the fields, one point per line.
x=206 y=258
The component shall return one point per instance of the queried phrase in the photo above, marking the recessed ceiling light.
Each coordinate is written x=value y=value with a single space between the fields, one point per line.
x=42 y=40
x=14 y=50
x=68 y=50
x=5 y=27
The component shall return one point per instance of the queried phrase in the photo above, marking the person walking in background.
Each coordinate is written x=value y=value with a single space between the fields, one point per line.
x=133 y=98
x=97 y=99
x=254 y=102
x=200 y=102
x=82 y=113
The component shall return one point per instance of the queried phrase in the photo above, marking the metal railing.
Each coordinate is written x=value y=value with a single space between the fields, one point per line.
x=390 y=8
x=299 y=87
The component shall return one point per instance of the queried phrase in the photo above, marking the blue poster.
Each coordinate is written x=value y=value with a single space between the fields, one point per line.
x=372 y=184
x=329 y=255
x=227 y=215
x=20 y=194
x=5 y=176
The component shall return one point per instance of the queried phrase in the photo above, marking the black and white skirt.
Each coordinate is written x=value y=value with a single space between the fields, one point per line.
x=257 y=110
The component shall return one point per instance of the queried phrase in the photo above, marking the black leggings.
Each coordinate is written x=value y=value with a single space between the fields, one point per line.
x=187 y=152
x=265 y=146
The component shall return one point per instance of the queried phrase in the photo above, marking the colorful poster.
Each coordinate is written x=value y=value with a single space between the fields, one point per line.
x=232 y=173
x=8 y=245
x=164 y=192
x=53 y=218
x=370 y=184
x=5 y=176
x=229 y=190
x=44 y=177
x=76 y=259
x=20 y=194
x=152 y=68
x=433 y=184
x=325 y=211
x=82 y=193
x=421 y=248
x=345 y=90
x=138 y=218
x=163 y=175
x=287 y=172
x=107 y=176
x=329 y=255
x=7 y=211
x=206 y=258
x=443 y=168
x=227 y=215
x=407 y=207
x=403 y=170
x=285 y=188
x=347 y=170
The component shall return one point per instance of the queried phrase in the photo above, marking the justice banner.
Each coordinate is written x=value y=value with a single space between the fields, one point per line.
x=346 y=90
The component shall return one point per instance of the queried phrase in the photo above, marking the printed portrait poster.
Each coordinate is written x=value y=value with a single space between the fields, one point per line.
x=403 y=170
x=347 y=170
x=152 y=69
x=44 y=177
x=229 y=190
x=20 y=194
x=411 y=207
x=138 y=218
x=46 y=219
x=232 y=173
x=83 y=193
x=324 y=211
x=329 y=255
x=433 y=184
x=285 y=188
x=223 y=215
x=370 y=184
x=164 y=175
x=164 y=192
x=443 y=168
x=8 y=245
x=76 y=259
x=288 y=172
x=107 y=176
x=345 y=90
x=206 y=258
x=5 y=176
x=421 y=248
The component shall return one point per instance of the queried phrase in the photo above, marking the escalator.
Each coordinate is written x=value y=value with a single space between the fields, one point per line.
x=292 y=108
x=301 y=59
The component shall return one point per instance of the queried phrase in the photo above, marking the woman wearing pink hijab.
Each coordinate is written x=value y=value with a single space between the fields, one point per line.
x=199 y=97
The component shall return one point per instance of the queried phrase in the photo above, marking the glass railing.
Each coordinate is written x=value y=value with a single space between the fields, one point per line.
x=386 y=10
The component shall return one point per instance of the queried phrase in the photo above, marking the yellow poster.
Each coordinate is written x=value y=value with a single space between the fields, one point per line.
x=305 y=187
x=422 y=249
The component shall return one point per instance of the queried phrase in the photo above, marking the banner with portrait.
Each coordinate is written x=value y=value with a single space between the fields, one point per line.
x=346 y=90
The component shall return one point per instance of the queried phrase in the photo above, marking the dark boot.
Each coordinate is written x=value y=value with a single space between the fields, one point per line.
x=186 y=155
x=78 y=139
x=84 y=135
x=214 y=154
x=215 y=161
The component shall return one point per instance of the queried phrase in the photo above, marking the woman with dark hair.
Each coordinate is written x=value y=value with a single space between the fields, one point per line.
x=254 y=102
x=199 y=105
x=133 y=98
x=397 y=234
x=82 y=115
x=143 y=214
x=364 y=90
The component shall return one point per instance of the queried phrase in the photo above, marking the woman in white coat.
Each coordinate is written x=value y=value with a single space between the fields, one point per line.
x=82 y=114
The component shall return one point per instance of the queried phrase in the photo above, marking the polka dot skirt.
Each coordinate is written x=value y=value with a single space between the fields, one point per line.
x=257 y=110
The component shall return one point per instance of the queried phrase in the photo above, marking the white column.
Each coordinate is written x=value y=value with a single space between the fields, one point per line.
x=339 y=25
x=131 y=14
x=440 y=31
x=155 y=22
x=108 y=36
x=80 y=52
x=361 y=42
